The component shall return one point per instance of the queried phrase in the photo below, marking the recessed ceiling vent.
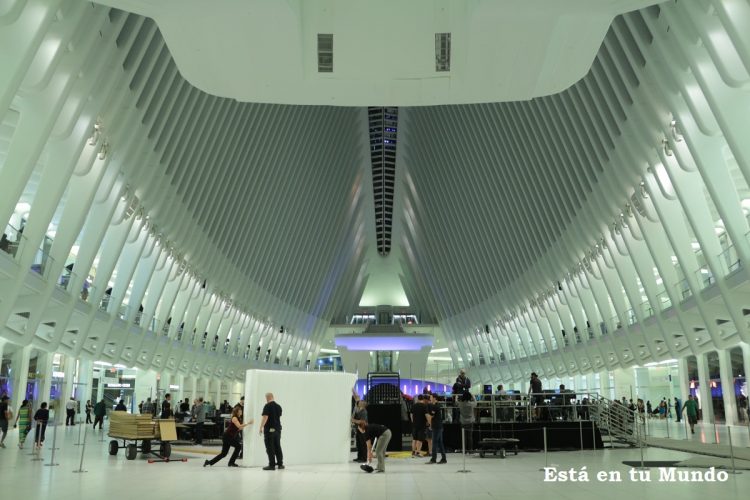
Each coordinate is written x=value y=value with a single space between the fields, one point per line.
x=442 y=51
x=325 y=53
x=383 y=137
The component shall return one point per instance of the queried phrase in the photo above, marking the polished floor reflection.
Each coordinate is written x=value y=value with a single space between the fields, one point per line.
x=517 y=476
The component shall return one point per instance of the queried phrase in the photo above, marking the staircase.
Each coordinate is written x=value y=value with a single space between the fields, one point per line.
x=623 y=426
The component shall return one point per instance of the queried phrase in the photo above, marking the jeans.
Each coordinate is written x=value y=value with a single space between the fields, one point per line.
x=380 y=447
x=437 y=443
x=361 y=445
x=226 y=443
x=272 y=440
x=41 y=428
x=198 y=434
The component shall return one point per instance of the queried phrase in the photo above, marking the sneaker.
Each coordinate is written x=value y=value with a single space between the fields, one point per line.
x=281 y=467
x=269 y=467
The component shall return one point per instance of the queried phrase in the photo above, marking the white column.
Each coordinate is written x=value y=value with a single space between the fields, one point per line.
x=181 y=390
x=86 y=377
x=145 y=386
x=218 y=399
x=165 y=382
x=727 y=387
x=69 y=368
x=194 y=387
x=682 y=372
x=44 y=373
x=704 y=389
x=205 y=391
x=20 y=368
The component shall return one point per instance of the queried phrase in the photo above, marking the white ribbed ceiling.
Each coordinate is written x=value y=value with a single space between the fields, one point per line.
x=384 y=51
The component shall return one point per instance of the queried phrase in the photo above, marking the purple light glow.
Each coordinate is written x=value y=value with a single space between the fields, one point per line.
x=368 y=342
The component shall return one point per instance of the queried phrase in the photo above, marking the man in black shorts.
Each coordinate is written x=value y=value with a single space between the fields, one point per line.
x=418 y=425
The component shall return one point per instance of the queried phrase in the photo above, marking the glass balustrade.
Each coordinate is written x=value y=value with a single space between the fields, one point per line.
x=705 y=277
x=12 y=240
x=664 y=301
x=683 y=289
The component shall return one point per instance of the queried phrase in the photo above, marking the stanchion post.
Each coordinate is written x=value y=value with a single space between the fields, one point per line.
x=686 y=430
x=79 y=434
x=35 y=451
x=83 y=450
x=593 y=435
x=463 y=449
x=54 y=441
x=640 y=444
x=580 y=432
x=731 y=449
x=667 y=421
x=716 y=435
x=544 y=439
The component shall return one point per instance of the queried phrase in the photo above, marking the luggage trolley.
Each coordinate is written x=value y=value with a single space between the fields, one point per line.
x=141 y=434
x=496 y=445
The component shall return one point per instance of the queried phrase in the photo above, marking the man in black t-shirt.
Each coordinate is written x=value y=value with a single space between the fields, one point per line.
x=41 y=417
x=377 y=436
x=435 y=419
x=166 y=407
x=419 y=425
x=270 y=428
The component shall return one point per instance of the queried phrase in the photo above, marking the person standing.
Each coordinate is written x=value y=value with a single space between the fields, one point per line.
x=535 y=394
x=466 y=407
x=100 y=411
x=121 y=406
x=691 y=407
x=418 y=425
x=230 y=438
x=148 y=407
x=360 y=415
x=435 y=420
x=678 y=409
x=23 y=421
x=5 y=416
x=70 y=412
x=199 y=414
x=89 y=408
x=270 y=428
x=166 y=407
x=377 y=437
x=41 y=417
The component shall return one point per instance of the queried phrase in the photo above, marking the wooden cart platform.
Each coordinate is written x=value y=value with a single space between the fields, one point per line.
x=141 y=433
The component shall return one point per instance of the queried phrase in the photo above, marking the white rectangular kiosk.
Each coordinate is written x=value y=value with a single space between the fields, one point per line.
x=315 y=420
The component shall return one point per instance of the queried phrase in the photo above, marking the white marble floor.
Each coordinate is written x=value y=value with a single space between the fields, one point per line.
x=115 y=478
x=704 y=432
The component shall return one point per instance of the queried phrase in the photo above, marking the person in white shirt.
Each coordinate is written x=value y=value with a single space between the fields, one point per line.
x=70 y=410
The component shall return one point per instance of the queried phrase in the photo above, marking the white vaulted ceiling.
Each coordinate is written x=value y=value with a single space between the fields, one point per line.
x=589 y=210
x=384 y=51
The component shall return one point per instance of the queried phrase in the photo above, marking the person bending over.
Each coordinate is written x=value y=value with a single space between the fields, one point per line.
x=231 y=439
x=377 y=437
